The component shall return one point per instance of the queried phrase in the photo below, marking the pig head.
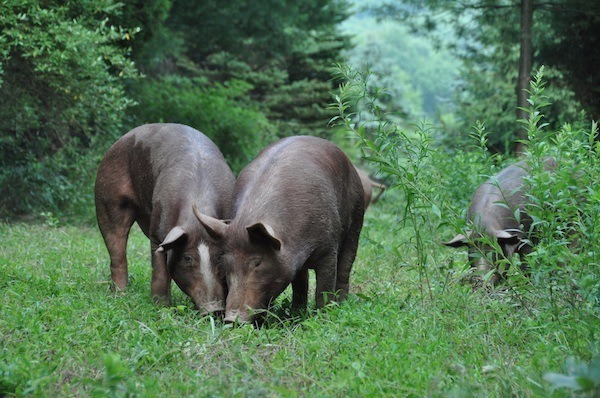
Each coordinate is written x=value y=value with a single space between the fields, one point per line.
x=298 y=206
x=154 y=175
x=497 y=212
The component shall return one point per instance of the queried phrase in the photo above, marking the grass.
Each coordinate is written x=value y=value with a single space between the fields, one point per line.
x=64 y=333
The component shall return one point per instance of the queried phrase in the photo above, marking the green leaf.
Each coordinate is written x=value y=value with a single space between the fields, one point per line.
x=562 y=381
x=436 y=210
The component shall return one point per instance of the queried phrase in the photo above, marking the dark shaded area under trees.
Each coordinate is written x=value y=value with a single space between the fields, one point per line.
x=76 y=76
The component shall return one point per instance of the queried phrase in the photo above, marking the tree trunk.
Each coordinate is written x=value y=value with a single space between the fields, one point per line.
x=525 y=60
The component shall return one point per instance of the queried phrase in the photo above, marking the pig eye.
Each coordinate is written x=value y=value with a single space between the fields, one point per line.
x=257 y=263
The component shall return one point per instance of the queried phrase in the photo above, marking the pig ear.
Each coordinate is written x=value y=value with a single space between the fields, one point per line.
x=458 y=241
x=175 y=235
x=264 y=233
x=506 y=236
x=215 y=228
x=510 y=240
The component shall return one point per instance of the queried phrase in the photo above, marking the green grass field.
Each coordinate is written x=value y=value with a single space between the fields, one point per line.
x=401 y=333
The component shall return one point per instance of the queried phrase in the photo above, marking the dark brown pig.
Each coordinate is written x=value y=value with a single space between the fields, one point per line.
x=298 y=206
x=492 y=214
x=153 y=175
x=368 y=186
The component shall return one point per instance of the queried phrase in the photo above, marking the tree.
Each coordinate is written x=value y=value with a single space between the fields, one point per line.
x=494 y=40
x=571 y=46
x=154 y=42
x=525 y=60
x=283 y=48
x=61 y=88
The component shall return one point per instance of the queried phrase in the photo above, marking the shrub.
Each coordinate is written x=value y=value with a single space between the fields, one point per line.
x=219 y=111
x=436 y=185
x=61 y=89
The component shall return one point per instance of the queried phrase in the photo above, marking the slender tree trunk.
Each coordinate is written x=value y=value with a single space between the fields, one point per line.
x=525 y=60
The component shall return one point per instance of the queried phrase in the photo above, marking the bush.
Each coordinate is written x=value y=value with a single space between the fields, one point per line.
x=219 y=111
x=61 y=90
x=565 y=207
x=436 y=186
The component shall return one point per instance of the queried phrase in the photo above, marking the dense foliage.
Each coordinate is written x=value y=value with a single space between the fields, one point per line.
x=61 y=90
x=563 y=271
x=69 y=83
x=484 y=34
x=281 y=50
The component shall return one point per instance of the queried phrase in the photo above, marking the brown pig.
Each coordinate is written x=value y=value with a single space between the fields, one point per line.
x=492 y=214
x=153 y=175
x=368 y=185
x=298 y=206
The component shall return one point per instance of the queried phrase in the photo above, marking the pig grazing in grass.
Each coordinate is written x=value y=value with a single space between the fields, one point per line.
x=154 y=175
x=498 y=212
x=298 y=206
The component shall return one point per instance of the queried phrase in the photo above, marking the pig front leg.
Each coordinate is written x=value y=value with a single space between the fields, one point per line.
x=326 y=274
x=160 y=288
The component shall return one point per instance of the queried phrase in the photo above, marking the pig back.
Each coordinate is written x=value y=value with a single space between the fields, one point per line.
x=160 y=170
x=176 y=163
x=305 y=186
x=488 y=210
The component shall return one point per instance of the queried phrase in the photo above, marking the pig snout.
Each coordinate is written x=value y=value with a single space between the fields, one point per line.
x=246 y=315
x=211 y=307
x=236 y=316
x=209 y=300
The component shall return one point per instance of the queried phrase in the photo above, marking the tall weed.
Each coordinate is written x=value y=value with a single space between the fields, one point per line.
x=565 y=207
x=436 y=185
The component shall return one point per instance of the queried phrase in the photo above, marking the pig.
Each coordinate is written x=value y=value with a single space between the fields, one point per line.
x=154 y=175
x=368 y=186
x=298 y=205
x=492 y=214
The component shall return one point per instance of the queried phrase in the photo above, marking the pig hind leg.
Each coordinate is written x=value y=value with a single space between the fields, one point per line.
x=345 y=261
x=325 y=273
x=115 y=220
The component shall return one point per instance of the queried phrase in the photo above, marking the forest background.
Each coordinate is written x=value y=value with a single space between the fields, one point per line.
x=421 y=93
x=75 y=76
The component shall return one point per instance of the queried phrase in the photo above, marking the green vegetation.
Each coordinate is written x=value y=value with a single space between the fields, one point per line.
x=64 y=333
x=411 y=326
x=75 y=76
x=62 y=96
x=564 y=277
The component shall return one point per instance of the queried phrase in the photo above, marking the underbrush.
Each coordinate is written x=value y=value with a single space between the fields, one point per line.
x=64 y=333
x=435 y=185
x=412 y=326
